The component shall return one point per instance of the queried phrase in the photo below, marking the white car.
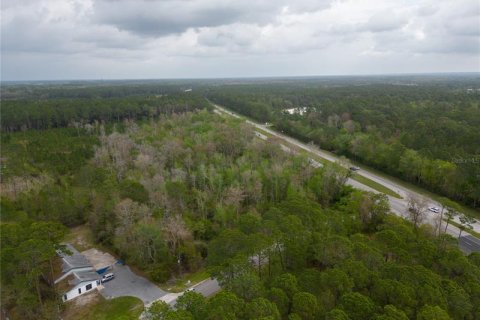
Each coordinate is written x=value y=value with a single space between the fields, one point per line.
x=108 y=277
x=434 y=209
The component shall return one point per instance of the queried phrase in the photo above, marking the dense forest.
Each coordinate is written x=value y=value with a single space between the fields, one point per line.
x=184 y=189
x=422 y=132
x=57 y=113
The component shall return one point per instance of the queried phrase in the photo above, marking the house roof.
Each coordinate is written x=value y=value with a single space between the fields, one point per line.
x=82 y=276
x=73 y=261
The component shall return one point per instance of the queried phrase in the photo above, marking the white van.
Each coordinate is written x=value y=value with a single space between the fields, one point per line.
x=108 y=277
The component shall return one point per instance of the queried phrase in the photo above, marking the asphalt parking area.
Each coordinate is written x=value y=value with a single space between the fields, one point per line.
x=127 y=283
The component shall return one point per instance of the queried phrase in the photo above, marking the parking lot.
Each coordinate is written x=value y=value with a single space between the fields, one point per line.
x=127 y=283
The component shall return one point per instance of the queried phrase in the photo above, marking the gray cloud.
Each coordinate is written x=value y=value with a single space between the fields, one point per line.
x=160 y=18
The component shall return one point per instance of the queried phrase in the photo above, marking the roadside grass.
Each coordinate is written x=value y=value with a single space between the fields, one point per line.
x=464 y=209
x=363 y=180
x=458 y=225
x=182 y=283
x=124 y=308
x=268 y=134
x=375 y=185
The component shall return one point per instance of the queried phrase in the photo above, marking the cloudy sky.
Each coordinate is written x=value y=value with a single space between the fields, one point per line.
x=121 y=39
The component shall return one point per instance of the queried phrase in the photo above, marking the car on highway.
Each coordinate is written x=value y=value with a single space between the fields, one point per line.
x=434 y=209
x=354 y=168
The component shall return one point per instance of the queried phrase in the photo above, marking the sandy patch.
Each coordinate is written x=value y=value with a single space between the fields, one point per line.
x=99 y=259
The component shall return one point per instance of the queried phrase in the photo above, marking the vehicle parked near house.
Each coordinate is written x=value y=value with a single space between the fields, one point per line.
x=108 y=277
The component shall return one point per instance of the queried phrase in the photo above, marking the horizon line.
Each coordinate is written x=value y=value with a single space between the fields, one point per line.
x=249 y=77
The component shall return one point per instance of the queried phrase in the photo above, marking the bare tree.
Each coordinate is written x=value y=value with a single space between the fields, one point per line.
x=175 y=231
x=417 y=207
x=234 y=198
x=116 y=151
x=156 y=188
x=128 y=212
x=333 y=120
x=173 y=151
x=145 y=157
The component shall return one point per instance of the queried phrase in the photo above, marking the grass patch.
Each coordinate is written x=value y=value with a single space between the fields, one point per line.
x=375 y=185
x=183 y=283
x=93 y=306
x=119 y=308
x=458 y=225
x=80 y=237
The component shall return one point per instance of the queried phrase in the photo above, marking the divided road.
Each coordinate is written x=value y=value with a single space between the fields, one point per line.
x=467 y=243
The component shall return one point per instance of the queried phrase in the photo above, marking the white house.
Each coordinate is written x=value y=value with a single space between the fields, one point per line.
x=84 y=282
x=78 y=274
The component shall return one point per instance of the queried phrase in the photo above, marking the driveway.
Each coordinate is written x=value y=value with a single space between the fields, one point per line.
x=127 y=283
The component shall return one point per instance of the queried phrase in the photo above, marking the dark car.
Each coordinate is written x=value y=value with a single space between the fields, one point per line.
x=354 y=168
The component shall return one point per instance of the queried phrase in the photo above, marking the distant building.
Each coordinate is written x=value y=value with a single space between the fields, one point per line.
x=300 y=110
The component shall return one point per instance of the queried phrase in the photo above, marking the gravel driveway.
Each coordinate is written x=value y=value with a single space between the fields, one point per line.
x=127 y=283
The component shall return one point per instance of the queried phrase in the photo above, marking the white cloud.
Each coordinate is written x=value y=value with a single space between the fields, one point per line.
x=207 y=38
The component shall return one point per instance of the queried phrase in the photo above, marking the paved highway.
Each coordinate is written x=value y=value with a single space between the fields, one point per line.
x=469 y=243
x=398 y=206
